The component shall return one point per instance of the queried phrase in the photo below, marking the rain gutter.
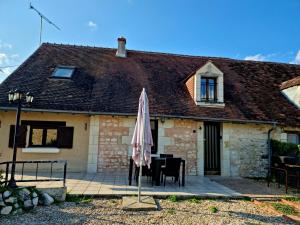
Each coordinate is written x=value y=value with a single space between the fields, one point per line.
x=90 y=113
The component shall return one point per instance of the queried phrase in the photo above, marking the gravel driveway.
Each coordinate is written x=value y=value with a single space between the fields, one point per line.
x=107 y=211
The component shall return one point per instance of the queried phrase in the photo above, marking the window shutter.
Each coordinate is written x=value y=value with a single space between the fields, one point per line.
x=65 y=137
x=22 y=136
x=11 y=136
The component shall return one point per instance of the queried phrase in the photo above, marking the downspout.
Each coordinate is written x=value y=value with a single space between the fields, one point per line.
x=270 y=148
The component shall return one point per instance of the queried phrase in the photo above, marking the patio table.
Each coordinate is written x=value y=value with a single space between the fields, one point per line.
x=158 y=163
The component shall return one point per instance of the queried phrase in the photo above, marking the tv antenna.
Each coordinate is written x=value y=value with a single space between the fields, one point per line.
x=43 y=18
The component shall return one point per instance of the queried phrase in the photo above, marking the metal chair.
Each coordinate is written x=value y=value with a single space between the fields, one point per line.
x=172 y=169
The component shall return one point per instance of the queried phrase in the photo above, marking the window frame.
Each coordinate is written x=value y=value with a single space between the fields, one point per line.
x=207 y=88
x=44 y=125
x=63 y=67
x=293 y=133
x=154 y=148
x=44 y=136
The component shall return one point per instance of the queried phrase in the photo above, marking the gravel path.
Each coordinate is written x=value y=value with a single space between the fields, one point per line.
x=107 y=211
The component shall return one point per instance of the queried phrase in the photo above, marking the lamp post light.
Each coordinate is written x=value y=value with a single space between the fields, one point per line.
x=17 y=97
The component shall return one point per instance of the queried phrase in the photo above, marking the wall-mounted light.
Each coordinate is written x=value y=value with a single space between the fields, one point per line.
x=200 y=128
x=85 y=126
x=162 y=119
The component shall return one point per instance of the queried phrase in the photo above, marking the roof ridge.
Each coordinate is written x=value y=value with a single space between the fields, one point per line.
x=174 y=54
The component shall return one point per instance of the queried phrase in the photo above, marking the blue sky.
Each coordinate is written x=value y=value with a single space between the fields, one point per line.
x=266 y=30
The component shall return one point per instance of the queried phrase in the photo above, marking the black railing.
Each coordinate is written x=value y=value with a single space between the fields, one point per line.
x=36 y=163
x=287 y=175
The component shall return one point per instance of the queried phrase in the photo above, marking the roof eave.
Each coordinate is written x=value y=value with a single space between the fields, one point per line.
x=91 y=113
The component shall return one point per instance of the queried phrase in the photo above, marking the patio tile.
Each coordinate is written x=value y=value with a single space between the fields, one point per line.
x=117 y=184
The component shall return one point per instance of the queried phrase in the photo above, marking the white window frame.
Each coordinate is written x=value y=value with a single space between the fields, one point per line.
x=209 y=70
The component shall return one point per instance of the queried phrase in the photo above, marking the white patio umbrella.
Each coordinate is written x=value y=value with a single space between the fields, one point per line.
x=142 y=138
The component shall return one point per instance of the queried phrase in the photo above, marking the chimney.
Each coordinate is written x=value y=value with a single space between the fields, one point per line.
x=121 y=52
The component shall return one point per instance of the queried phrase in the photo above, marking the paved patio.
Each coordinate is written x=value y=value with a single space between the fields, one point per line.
x=116 y=184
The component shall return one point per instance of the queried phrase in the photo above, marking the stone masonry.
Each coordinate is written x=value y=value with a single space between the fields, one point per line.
x=243 y=147
x=246 y=144
x=114 y=141
x=182 y=142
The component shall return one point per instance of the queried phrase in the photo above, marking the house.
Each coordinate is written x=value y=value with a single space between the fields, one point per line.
x=216 y=113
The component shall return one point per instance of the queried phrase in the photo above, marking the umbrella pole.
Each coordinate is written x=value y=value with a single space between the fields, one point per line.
x=140 y=176
x=142 y=148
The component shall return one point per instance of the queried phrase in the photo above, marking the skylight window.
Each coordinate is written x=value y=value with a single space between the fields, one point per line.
x=63 y=72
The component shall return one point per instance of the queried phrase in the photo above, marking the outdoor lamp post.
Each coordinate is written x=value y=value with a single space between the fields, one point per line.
x=17 y=97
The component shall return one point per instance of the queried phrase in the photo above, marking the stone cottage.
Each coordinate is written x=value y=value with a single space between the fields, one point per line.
x=216 y=113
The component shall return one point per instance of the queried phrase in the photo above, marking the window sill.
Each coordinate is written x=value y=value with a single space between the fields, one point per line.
x=211 y=104
x=40 y=150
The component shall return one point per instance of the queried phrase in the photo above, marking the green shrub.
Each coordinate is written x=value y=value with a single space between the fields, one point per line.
x=195 y=200
x=78 y=199
x=286 y=209
x=213 y=209
x=282 y=148
x=171 y=211
x=172 y=198
x=247 y=199
x=292 y=199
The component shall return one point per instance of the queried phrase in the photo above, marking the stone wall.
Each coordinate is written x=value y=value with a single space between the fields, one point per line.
x=179 y=137
x=176 y=137
x=114 y=141
x=245 y=144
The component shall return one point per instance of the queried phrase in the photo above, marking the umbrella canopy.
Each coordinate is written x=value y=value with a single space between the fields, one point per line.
x=142 y=137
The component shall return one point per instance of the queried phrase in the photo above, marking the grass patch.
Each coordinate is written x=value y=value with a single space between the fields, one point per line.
x=113 y=201
x=172 y=198
x=213 y=209
x=78 y=199
x=171 y=211
x=247 y=199
x=292 y=199
x=195 y=200
x=285 y=209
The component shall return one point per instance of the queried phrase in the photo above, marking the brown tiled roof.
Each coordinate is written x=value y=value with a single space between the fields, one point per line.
x=290 y=83
x=104 y=83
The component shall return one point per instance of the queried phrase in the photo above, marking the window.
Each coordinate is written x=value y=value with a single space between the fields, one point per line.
x=45 y=137
x=208 y=89
x=293 y=138
x=43 y=134
x=63 y=72
x=154 y=131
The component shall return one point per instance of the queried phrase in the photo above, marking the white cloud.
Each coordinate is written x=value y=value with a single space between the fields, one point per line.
x=5 y=45
x=8 y=63
x=92 y=25
x=3 y=58
x=261 y=57
x=14 y=56
x=257 y=57
x=5 y=72
x=297 y=58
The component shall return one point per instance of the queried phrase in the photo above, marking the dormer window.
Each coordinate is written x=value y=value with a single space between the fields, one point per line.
x=63 y=72
x=208 y=89
x=206 y=86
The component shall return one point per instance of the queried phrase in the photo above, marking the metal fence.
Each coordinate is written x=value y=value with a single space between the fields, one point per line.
x=36 y=171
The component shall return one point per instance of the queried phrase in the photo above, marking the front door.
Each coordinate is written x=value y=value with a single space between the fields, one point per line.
x=212 y=148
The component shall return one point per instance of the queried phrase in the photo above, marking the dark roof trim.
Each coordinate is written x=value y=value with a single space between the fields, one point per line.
x=132 y=114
